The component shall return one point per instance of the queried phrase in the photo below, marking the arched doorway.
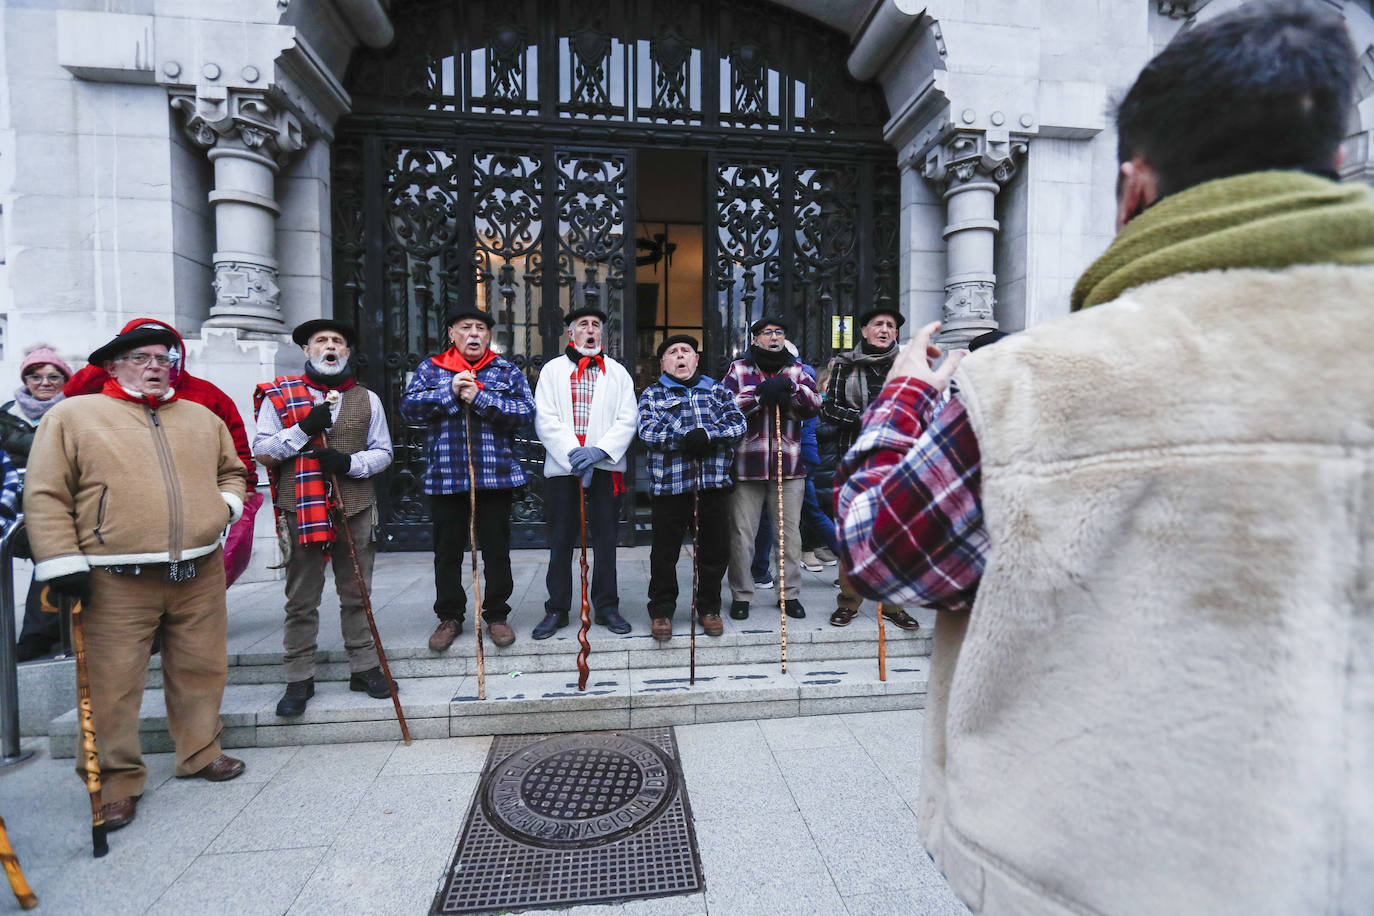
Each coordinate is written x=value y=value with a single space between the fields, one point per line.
x=686 y=165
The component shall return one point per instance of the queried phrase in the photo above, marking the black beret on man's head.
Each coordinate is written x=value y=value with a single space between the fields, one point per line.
x=764 y=322
x=469 y=311
x=132 y=340
x=688 y=339
x=577 y=313
x=307 y=329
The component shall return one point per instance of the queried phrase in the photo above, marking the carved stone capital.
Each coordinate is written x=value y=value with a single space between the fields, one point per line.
x=973 y=155
x=246 y=297
x=213 y=113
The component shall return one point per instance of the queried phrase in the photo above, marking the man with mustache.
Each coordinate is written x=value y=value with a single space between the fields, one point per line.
x=768 y=381
x=293 y=413
x=690 y=425
x=469 y=397
x=585 y=417
x=856 y=377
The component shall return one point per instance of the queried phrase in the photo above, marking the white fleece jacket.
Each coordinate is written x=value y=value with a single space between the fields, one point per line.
x=610 y=427
x=1163 y=698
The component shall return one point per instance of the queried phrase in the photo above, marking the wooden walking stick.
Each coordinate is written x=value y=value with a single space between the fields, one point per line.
x=586 y=624
x=472 y=538
x=882 y=645
x=99 y=845
x=782 y=534
x=10 y=861
x=696 y=548
x=363 y=591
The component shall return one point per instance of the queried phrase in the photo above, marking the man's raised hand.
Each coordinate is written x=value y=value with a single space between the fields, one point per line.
x=917 y=359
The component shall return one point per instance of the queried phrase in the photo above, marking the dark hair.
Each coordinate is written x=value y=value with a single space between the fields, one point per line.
x=1268 y=86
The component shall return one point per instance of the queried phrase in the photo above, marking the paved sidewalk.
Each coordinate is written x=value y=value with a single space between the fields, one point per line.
x=801 y=815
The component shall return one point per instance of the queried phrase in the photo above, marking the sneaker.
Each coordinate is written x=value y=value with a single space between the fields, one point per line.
x=739 y=610
x=810 y=562
x=794 y=608
x=764 y=583
x=444 y=635
x=825 y=556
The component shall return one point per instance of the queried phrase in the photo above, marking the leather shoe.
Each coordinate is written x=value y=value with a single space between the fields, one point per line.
x=901 y=619
x=444 y=634
x=712 y=625
x=501 y=633
x=120 y=813
x=661 y=628
x=611 y=620
x=739 y=610
x=373 y=682
x=222 y=769
x=794 y=608
x=842 y=617
x=292 y=703
x=549 y=625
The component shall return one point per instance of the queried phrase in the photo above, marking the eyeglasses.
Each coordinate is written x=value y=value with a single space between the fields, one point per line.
x=142 y=359
x=45 y=379
x=773 y=332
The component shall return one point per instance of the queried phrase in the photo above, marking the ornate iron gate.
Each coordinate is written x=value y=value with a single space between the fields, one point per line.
x=491 y=159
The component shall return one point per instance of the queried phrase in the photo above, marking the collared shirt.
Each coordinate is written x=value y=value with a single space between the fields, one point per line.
x=284 y=444
x=503 y=404
x=583 y=388
x=909 y=514
x=667 y=413
x=755 y=458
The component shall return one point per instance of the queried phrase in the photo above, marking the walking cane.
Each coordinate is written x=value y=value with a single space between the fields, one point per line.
x=367 y=599
x=586 y=647
x=10 y=861
x=882 y=645
x=782 y=543
x=696 y=548
x=472 y=538
x=99 y=845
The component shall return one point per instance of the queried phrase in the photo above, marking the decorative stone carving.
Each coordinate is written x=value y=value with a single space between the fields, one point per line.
x=213 y=112
x=238 y=284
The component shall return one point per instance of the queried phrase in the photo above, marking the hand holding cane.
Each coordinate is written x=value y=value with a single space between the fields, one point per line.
x=22 y=892
x=99 y=845
x=782 y=535
x=472 y=539
x=363 y=591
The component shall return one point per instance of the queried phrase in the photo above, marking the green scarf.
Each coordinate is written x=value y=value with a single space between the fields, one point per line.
x=1261 y=219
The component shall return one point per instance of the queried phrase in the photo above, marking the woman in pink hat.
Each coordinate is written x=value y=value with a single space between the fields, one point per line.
x=43 y=373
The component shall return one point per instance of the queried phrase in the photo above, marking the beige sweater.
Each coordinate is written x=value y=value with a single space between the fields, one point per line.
x=1163 y=699
x=107 y=485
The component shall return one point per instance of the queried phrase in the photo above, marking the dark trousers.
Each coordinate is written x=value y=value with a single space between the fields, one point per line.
x=672 y=518
x=603 y=520
x=450 y=513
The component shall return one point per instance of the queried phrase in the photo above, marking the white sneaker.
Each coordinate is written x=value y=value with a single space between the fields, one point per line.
x=825 y=556
x=766 y=583
x=810 y=562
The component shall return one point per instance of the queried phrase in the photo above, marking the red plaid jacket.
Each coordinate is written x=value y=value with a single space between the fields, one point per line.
x=755 y=458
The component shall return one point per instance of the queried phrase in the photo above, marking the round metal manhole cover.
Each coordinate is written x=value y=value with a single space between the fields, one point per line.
x=579 y=790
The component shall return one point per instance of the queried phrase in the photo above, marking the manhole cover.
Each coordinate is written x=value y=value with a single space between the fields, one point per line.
x=575 y=818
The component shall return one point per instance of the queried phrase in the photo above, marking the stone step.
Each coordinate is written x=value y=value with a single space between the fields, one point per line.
x=520 y=702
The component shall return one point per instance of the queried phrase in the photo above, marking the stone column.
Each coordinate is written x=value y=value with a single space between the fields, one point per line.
x=248 y=137
x=970 y=167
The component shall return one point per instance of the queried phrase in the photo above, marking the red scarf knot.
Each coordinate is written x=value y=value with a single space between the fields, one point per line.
x=457 y=363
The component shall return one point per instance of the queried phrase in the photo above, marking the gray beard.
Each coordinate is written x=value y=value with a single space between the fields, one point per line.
x=323 y=368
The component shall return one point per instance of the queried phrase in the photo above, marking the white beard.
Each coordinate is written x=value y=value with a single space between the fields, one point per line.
x=587 y=351
x=324 y=368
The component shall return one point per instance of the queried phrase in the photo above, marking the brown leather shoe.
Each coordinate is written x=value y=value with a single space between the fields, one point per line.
x=444 y=635
x=711 y=624
x=222 y=769
x=120 y=813
x=661 y=628
x=901 y=619
x=842 y=617
x=501 y=633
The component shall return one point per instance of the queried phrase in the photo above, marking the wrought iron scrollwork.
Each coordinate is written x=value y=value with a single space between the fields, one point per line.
x=591 y=209
x=748 y=267
x=826 y=230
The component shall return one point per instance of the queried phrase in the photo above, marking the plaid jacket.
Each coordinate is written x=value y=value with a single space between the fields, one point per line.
x=669 y=412
x=837 y=407
x=9 y=493
x=755 y=458
x=503 y=404
x=909 y=515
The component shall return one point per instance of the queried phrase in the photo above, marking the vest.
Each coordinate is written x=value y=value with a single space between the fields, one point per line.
x=347 y=435
x=1163 y=698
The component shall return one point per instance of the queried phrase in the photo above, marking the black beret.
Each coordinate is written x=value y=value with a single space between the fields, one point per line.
x=132 y=340
x=469 y=311
x=764 y=322
x=688 y=339
x=983 y=340
x=307 y=329
x=577 y=313
x=877 y=310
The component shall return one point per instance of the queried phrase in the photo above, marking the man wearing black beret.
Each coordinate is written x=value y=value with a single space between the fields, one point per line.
x=690 y=425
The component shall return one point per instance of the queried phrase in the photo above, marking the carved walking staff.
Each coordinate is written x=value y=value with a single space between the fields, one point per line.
x=337 y=501
x=782 y=535
x=22 y=892
x=99 y=845
x=586 y=622
x=472 y=538
x=882 y=645
x=696 y=587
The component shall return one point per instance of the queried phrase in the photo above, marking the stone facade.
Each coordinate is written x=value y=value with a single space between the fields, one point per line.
x=173 y=159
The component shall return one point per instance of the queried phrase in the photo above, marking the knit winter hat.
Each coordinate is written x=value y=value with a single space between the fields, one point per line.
x=40 y=355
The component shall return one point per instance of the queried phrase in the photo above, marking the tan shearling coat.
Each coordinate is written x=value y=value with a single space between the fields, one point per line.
x=113 y=482
x=1163 y=698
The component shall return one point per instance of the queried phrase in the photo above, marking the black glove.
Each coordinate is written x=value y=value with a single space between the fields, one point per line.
x=775 y=390
x=332 y=461
x=20 y=543
x=697 y=443
x=73 y=585
x=317 y=421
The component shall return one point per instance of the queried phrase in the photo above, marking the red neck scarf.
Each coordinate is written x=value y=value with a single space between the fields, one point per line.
x=584 y=361
x=454 y=361
x=116 y=390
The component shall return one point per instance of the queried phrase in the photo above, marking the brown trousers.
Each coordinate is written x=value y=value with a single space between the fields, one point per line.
x=118 y=626
x=305 y=586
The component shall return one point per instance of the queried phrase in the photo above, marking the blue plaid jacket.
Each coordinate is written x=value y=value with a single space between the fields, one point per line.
x=669 y=412
x=9 y=493
x=502 y=406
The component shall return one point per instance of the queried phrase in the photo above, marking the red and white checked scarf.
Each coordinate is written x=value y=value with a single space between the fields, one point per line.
x=584 y=378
